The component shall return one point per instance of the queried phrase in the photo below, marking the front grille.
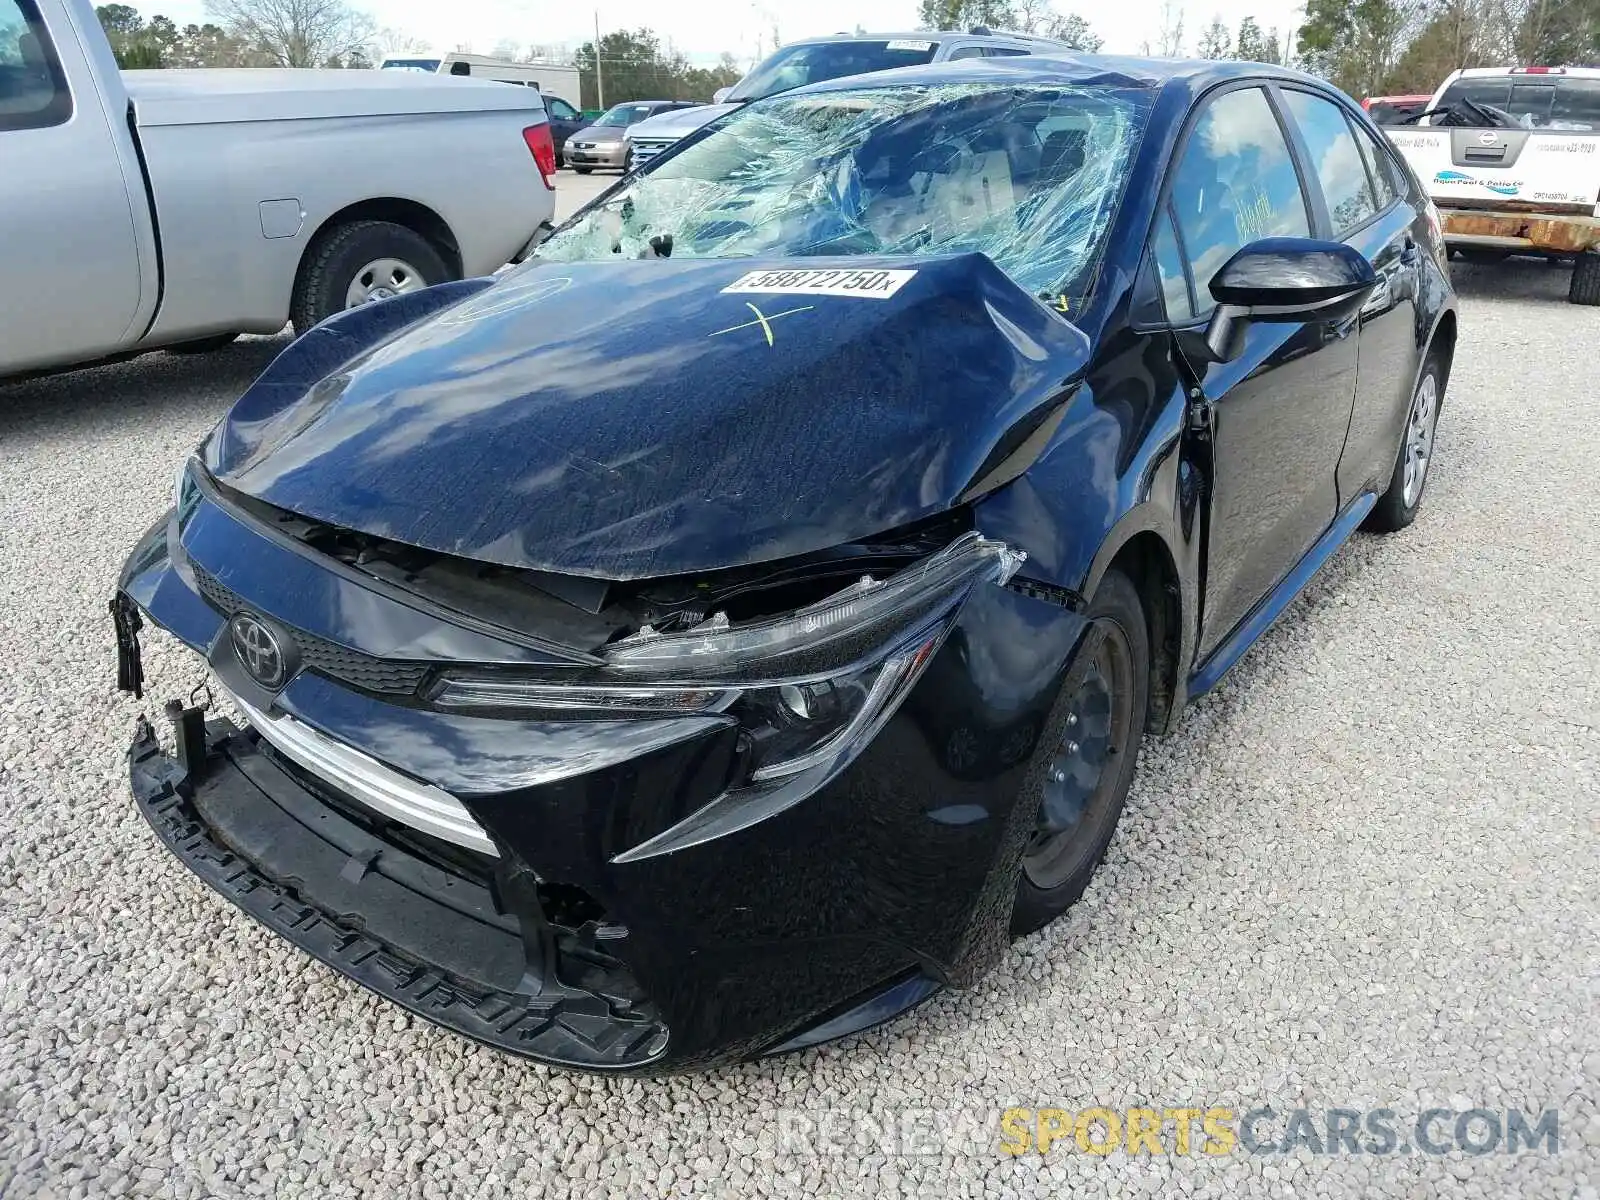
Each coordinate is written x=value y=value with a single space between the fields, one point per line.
x=644 y=149
x=364 y=672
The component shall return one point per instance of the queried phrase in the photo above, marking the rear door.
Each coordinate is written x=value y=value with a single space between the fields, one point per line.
x=69 y=254
x=1280 y=411
x=1367 y=208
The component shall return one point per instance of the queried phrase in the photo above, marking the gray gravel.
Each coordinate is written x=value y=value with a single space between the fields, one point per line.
x=1361 y=875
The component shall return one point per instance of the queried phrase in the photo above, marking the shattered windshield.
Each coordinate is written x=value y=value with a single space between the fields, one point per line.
x=1028 y=174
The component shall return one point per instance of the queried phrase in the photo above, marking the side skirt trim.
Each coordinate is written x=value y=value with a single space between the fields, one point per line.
x=1271 y=606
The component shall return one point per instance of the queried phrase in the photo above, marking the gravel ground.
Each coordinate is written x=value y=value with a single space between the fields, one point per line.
x=1361 y=875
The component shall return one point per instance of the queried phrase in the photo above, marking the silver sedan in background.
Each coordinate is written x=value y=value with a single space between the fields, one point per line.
x=603 y=144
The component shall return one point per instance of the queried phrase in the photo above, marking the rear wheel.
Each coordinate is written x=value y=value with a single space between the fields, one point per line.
x=360 y=262
x=1397 y=507
x=1088 y=752
x=1585 y=286
x=584 y=170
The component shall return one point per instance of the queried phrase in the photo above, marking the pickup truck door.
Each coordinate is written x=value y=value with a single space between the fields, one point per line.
x=70 y=254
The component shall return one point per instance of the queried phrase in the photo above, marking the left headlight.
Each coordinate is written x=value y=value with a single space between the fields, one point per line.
x=809 y=688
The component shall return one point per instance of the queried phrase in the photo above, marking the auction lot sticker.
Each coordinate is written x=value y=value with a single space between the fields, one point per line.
x=862 y=284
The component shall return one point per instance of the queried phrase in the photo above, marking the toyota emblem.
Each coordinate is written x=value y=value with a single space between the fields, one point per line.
x=1487 y=138
x=258 y=649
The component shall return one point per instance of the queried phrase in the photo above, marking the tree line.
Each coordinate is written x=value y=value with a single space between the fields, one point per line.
x=1395 y=47
x=634 y=65
x=1366 y=47
x=247 y=33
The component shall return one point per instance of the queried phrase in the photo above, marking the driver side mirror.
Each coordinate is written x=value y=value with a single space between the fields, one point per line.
x=1280 y=280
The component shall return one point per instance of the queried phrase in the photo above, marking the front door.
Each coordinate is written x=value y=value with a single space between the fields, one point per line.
x=1281 y=409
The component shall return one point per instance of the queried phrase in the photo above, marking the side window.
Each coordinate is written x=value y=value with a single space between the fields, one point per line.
x=1234 y=185
x=1335 y=159
x=1169 y=268
x=1385 y=182
x=966 y=52
x=1005 y=51
x=33 y=90
x=560 y=109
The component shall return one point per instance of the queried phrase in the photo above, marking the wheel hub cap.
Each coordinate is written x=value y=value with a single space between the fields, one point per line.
x=382 y=279
x=1419 y=438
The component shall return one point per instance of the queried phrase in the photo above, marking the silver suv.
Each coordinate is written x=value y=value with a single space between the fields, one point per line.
x=816 y=59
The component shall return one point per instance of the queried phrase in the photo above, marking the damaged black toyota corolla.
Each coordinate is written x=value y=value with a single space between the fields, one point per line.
x=735 y=623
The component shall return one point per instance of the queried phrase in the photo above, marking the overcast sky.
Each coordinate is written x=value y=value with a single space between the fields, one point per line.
x=704 y=28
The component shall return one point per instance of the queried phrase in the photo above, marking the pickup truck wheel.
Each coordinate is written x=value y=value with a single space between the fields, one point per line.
x=357 y=263
x=1585 y=286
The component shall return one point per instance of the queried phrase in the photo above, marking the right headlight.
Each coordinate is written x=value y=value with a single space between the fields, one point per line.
x=809 y=688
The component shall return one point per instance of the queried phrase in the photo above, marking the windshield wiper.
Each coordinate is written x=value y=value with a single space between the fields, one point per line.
x=1462 y=111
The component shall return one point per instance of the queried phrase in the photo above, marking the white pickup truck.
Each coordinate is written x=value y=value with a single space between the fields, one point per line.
x=177 y=209
x=1511 y=158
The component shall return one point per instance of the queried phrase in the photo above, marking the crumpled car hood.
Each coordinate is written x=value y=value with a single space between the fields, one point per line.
x=640 y=418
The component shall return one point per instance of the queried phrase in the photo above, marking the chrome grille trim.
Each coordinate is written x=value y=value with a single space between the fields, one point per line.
x=422 y=806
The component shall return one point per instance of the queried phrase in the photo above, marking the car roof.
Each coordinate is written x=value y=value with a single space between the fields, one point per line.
x=979 y=34
x=1066 y=67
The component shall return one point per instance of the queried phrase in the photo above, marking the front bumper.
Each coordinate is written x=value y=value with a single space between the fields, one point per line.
x=605 y=154
x=1566 y=233
x=547 y=938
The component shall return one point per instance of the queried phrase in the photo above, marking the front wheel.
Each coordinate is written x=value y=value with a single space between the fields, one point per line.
x=1397 y=507
x=584 y=170
x=357 y=263
x=1087 y=754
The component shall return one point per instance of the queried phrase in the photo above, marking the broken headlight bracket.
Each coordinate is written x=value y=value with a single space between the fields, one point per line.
x=807 y=688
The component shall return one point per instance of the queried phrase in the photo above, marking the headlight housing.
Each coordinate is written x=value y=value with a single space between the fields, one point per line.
x=808 y=689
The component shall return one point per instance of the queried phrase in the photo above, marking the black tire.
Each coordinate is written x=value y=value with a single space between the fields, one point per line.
x=203 y=345
x=1393 y=512
x=584 y=170
x=331 y=264
x=1585 y=285
x=1056 y=869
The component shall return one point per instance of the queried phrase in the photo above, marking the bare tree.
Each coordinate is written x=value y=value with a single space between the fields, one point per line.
x=397 y=43
x=1168 y=42
x=297 y=33
x=1043 y=18
x=1216 y=41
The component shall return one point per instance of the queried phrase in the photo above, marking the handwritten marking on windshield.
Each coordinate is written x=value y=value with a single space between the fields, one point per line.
x=763 y=320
